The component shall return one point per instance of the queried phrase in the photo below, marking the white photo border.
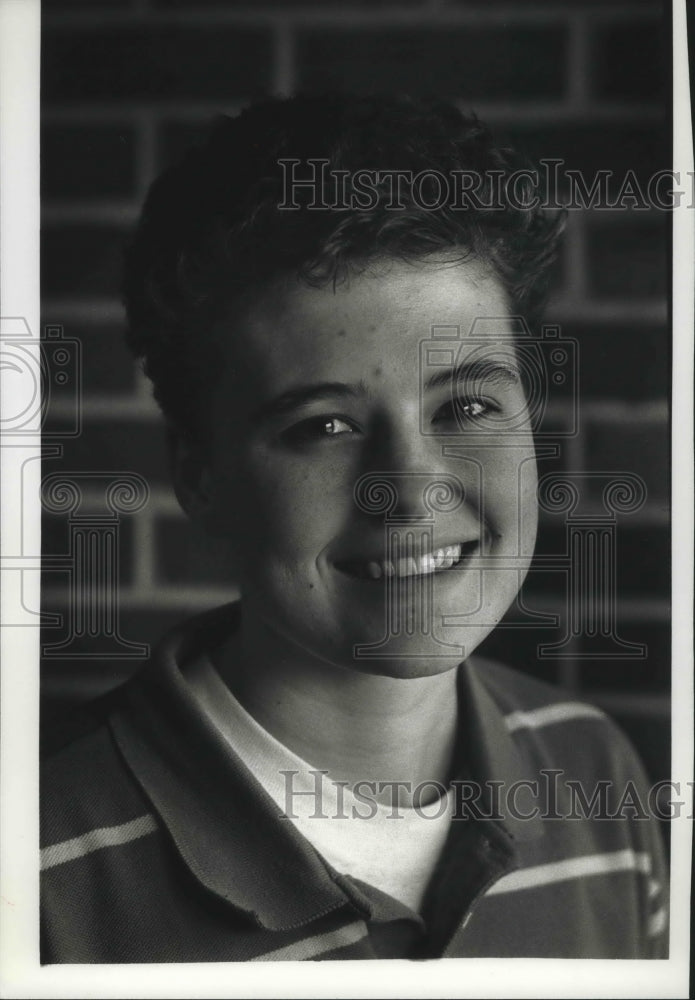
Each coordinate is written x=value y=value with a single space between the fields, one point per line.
x=21 y=974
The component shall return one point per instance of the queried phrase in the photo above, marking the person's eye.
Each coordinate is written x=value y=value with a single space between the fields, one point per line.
x=317 y=429
x=464 y=411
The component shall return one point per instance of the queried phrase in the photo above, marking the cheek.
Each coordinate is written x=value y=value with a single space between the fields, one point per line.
x=288 y=508
x=528 y=493
x=511 y=486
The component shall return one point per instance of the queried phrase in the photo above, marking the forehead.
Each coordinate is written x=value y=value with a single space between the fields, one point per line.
x=372 y=323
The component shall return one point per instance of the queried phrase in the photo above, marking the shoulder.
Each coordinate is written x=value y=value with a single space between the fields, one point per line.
x=590 y=877
x=555 y=727
x=84 y=782
x=514 y=690
x=102 y=845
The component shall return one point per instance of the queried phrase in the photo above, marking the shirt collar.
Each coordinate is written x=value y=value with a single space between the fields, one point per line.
x=223 y=824
x=494 y=759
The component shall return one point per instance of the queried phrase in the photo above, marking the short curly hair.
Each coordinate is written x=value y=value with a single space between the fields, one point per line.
x=216 y=225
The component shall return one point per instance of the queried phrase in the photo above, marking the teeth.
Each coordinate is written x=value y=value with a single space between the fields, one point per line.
x=374 y=570
x=407 y=567
x=430 y=562
x=427 y=563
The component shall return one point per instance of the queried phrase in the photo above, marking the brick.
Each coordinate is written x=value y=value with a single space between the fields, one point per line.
x=62 y=370
x=164 y=62
x=253 y=5
x=548 y=395
x=590 y=147
x=608 y=449
x=143 y=625
x=629 y=260
x=67 y=682
x=551 y=4
x=182 y=557
x=76 y=6
x=550 y=538
x=650 y=674
x=643 y=560
x=642 y=449
x=81 y=260
x=119 y=446
x=467 y=63
x=517 y=648
x=545 y=589
x=558 y=400
x=650 y=734
x=632 y=363
x=551 y=541
x=557 y=275
x=548 y=465
x=55 y=541
x=85 y=161
x=54 y=537
x=628 y=61
x=105 y=364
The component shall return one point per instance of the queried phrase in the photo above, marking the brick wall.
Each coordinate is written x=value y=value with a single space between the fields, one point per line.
x=129 y=85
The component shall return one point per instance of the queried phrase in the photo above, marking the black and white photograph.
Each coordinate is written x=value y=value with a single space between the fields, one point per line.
x=347 y=498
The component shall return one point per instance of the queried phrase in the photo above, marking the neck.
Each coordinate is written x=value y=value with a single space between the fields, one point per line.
x=357 y=726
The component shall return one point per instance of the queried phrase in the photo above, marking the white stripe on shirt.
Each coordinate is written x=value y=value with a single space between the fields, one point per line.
x=657 y=922
x=311 y=947
x=571 y=868
x=549 y=715
x=653 y=888
x=95 y=840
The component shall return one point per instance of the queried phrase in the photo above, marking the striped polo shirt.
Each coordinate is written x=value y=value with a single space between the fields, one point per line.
x=159 y=845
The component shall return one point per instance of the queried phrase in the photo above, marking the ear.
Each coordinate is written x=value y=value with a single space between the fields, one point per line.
x=191 y=477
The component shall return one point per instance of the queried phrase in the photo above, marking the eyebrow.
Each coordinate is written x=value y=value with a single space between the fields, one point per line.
x=475 y=371
x=303 y=395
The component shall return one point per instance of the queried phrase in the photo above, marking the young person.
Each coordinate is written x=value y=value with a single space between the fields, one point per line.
x=329 y=298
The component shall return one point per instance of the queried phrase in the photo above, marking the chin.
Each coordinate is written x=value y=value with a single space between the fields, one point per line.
x=409 y=656
x=406 y=668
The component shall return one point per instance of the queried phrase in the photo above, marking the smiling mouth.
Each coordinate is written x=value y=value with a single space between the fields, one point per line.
x=437 y=561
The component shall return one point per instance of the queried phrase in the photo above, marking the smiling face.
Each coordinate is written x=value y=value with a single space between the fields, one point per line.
x=333 y=422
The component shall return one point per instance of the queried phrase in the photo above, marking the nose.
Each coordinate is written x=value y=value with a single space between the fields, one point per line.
x=409 y=496
x=409 y=479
